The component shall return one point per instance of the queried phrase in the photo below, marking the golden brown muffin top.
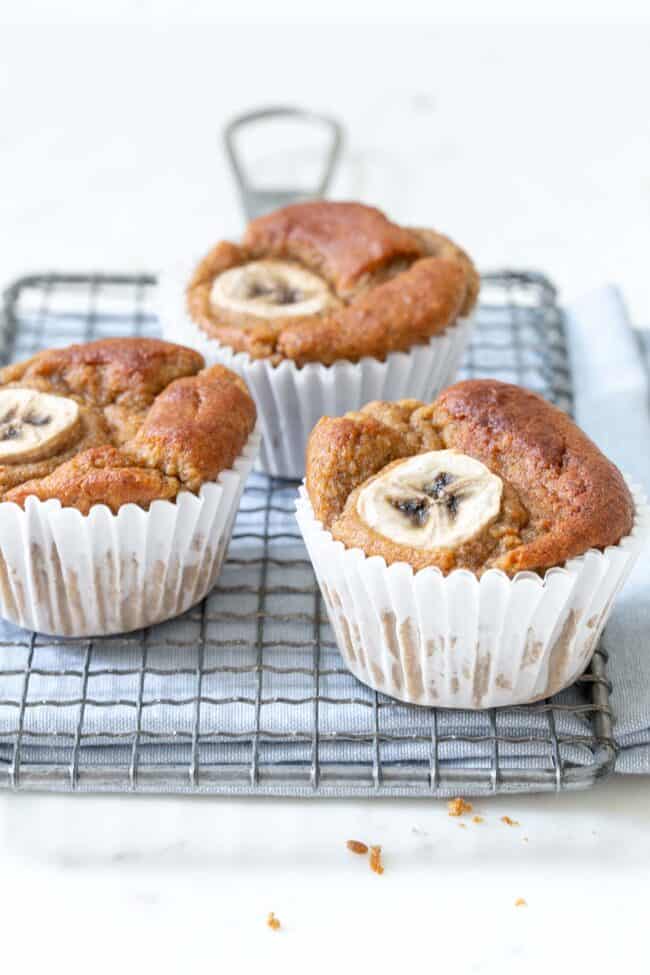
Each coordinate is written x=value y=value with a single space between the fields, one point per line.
x=560 y=498
x=321 y=282
x=117 y=421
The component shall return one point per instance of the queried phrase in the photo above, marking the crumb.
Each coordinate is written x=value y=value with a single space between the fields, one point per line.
x=524 y=839
x=272 y=921
x=508 y=821
x=375 y=860
x=520 y=902
x=477 y=819
x=458 y=806
x=462 y=825
x=356 y=846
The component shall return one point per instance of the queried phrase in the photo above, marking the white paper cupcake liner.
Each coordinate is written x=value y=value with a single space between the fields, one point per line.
x=68 y=574
x=459 y=641
x=291 y=400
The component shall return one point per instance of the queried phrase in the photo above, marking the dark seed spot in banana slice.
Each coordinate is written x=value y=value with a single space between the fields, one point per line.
x=37 y=420
x=418 y=509
x=452 y=504
x=9 y=415
x=415 y=509
x=437 y=488
x=277 y=293
x=11 y=432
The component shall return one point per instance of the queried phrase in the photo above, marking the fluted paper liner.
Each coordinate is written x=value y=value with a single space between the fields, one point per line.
x=69 y=574
x=460 y=641
x=290 y=400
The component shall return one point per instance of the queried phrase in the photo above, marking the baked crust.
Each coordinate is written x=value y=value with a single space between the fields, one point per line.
x=153 y=422
x=344 y=242
x=391 y=287
x=561 y=495
x=102 y=475
x=128 y=371
x=196 y=427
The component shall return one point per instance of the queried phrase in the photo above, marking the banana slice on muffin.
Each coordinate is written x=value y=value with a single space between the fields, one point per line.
x=35 y=424
x=434 y=500
x=270 y=289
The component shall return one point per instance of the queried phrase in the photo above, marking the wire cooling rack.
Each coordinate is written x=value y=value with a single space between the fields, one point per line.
x=246 y=693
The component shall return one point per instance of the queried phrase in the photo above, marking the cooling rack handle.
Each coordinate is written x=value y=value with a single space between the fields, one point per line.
x=256 y=200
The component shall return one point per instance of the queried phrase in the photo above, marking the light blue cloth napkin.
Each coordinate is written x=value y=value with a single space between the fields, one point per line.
x=612 y=405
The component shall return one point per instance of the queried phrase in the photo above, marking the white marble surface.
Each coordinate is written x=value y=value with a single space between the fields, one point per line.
x=531 y=146
x=176 y=884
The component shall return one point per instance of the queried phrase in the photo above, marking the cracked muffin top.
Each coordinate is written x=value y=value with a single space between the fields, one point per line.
x=489 y=475
x=117 y=421
x=321 y=282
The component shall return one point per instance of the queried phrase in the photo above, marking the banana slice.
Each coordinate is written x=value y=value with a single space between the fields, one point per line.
x=440 y=499
x=270 y=289
x=33 y=424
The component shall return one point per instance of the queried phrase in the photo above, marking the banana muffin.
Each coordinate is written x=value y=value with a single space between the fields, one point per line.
x=118 y=421
x=489 y=479
x=488 y=476
x=318 y=282
x=323 y=306
x=140 y=441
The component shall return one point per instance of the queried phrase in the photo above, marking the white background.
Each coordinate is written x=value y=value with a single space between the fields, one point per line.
x=530 y=145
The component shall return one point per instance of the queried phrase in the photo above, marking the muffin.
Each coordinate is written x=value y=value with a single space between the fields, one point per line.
x=122 y=462
x=469 y=550
x=322 y=307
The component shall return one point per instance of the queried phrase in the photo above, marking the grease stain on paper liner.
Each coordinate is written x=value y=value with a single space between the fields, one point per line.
x=404 y=673
x=410 y=642
x=115 y=600
x=561 y=653
x=11 y=589
x=481 y=679
x=533 y=650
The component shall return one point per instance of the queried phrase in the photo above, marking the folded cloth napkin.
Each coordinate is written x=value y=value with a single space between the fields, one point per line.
x=81 y=700
x=610 y=374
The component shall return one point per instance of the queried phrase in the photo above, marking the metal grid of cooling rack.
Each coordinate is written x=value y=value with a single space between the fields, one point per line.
x=247 y=693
